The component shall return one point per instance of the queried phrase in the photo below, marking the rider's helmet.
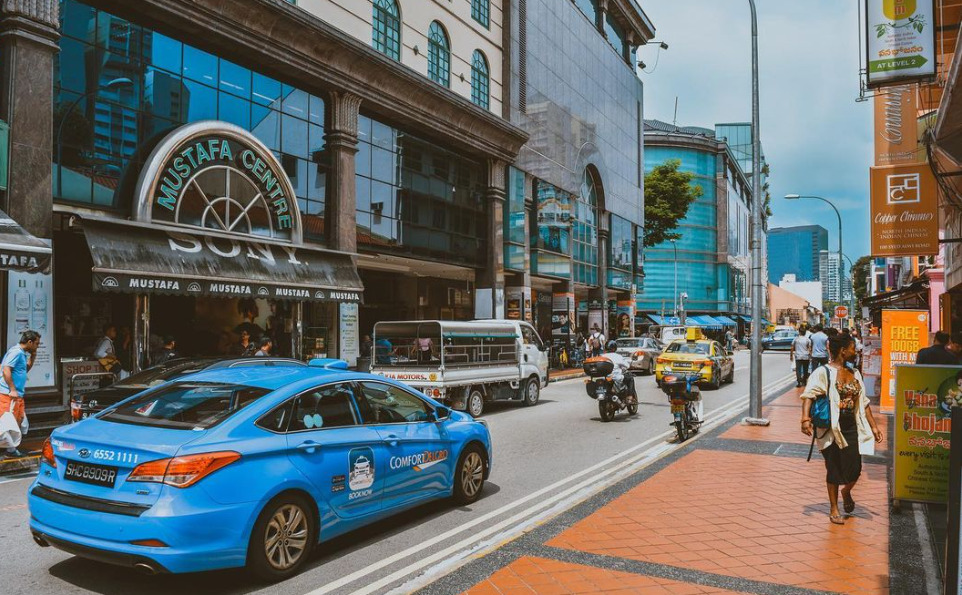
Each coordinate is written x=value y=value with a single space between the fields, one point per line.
x=611 y=347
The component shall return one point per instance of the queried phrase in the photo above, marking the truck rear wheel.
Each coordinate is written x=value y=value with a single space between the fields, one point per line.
x=475 y=402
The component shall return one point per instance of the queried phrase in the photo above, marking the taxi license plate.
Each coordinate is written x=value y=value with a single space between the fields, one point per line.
x=99 y=475
x=681 y=365
x=677 y=406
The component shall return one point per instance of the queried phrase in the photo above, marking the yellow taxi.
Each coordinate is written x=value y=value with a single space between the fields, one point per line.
x=696 y=353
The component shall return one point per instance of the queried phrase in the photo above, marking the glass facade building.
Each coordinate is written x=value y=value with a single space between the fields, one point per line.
x=797 y=250
x=711 y=258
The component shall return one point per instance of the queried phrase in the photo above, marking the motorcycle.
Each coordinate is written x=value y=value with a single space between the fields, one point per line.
x=601 y=387
x=686 y=404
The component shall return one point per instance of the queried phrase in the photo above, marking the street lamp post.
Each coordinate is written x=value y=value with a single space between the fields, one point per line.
x=755 y=380
x=674 y=296
x=122 y=81
x=841 y=261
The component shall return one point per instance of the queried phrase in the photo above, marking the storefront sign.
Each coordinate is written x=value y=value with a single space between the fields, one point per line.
x=904 y=332
x=90 y=378
x=905 y=211
x=896 y=126
x=925 y=396
x=626 y=319
x=29 y=307
x=218 y=176
x=348 y=345
x=900 y=41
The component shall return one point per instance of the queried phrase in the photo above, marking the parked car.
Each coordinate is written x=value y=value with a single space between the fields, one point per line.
x=640 y=352
x=780 y=340
x=84 y=405
x=249 y=467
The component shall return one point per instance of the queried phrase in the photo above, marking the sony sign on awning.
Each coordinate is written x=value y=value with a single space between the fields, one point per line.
x=900 y=44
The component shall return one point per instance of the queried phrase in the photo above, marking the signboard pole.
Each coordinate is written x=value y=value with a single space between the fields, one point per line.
x=953 y=555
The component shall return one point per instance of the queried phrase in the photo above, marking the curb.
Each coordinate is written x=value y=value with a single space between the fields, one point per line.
x=566 y=377
x=25 y=464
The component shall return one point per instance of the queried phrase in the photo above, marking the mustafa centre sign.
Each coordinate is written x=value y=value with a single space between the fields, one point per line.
x=216 y=215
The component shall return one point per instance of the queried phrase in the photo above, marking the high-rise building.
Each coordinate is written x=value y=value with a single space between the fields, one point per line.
x=795 y=251
x=829 y=272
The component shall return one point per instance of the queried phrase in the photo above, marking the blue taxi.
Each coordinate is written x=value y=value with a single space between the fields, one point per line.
x=249 y=467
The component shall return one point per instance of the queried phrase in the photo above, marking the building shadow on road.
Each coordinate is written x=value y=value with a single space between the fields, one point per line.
x=108 y=579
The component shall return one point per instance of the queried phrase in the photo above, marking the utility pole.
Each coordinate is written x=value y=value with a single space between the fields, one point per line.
x=755 y=381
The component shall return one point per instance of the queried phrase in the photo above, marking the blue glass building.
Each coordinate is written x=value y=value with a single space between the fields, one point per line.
x=711 y=259
x=797 y=250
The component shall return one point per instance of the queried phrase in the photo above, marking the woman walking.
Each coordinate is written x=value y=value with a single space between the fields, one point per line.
x=853 y=426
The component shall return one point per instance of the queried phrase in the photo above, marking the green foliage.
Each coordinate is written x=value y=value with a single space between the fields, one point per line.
x=668 y=195
x=860 y=272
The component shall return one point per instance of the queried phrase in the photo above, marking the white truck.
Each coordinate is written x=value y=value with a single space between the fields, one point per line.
x=464 y=364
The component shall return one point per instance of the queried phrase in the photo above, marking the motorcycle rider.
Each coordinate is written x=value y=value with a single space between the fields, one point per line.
x=624 y=382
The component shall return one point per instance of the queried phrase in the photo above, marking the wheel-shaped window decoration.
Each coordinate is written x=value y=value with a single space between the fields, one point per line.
x=216 y=176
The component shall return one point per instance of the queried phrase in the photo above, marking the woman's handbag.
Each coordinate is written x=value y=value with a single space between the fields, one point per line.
x=820 y=412
x=10 y=433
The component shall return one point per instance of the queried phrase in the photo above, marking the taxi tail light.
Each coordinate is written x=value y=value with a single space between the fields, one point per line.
x=661 y=360
x=47 y=453
x=181 y=472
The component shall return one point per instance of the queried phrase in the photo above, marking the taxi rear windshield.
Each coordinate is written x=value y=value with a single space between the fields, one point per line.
x=695 y=348
x=186 y=406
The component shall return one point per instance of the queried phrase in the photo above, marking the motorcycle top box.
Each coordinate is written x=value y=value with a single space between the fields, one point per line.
x=676 y=385
x=598 y=366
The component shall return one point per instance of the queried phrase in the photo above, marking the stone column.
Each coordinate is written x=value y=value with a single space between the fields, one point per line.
x=341 y=138
x=28 y=38
x=604 y=237
x=602 y=16
x=490 y=282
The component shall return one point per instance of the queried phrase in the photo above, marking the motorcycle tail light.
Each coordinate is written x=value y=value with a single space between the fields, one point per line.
x=75 y=411
x=180 y=472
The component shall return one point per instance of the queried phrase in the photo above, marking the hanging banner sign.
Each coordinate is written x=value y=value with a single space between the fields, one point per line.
x=905 y=211
x=925 y=396
x=904 y=332
x=896 y=126
x=900 y=38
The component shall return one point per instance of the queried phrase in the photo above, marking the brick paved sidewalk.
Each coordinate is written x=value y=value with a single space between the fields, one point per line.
x=738 y=511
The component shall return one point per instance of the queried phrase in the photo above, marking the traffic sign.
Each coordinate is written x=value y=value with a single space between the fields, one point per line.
x=841 y=312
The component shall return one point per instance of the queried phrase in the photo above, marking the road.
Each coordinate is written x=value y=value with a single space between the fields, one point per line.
x=546 y=459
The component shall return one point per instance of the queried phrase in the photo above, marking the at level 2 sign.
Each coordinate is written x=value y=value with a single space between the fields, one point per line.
x=841 y=312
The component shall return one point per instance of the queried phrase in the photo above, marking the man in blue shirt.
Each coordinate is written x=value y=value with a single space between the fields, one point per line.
x=819 y=348
x=13 y=377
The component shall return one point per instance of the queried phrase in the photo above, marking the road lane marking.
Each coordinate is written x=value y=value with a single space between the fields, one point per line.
x=729 y=409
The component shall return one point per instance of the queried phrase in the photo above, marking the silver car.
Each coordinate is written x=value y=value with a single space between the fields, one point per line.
x=641 y=352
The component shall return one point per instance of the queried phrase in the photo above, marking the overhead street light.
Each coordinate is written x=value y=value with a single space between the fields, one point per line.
x=841 y=257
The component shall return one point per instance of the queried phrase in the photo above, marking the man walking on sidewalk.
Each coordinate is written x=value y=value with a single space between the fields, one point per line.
x=16 y=363
x=819 y=348
x=801 y=354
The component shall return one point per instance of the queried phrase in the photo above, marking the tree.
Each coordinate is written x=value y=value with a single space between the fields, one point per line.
x=860 y=272
x=668 y=194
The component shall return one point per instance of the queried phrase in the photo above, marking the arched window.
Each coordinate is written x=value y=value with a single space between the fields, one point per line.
x=585 y=230
x=439 y=55
x=386 y=31
x=481 y=11
x=480 y=80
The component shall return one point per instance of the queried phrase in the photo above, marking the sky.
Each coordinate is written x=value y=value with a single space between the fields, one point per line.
x=816 y=137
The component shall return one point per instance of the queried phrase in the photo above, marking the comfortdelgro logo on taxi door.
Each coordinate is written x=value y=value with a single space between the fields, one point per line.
x=419 y=461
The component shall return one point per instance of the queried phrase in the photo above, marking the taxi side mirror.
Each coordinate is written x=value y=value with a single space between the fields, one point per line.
x=442 y=413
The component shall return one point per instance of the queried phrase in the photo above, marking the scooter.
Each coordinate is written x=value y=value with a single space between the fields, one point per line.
x=686 y=403
x=601 y=387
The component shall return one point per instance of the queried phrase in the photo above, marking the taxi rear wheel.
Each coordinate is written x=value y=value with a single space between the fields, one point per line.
x=282 y=540
x=469 y=475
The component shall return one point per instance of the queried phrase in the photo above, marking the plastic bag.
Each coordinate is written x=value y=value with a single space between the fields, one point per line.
x=24 y=425
x=10 y=434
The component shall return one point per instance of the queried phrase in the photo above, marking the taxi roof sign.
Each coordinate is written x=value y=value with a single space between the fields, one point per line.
x=694 y=333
